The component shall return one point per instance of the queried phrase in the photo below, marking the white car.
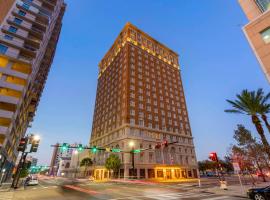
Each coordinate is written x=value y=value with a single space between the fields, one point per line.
x=33 y=181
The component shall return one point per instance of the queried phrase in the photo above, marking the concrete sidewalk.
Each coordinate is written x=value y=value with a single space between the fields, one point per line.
x=234 y=190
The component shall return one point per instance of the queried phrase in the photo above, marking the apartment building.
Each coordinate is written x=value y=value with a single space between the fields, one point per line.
x=140 y=101
x=257 y=30
x=29 y=32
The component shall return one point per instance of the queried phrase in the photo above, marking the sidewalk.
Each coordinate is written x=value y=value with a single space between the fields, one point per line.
x=234 y=190
x=5 y=187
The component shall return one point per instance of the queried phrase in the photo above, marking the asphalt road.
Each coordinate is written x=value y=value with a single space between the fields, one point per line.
x=63 y=189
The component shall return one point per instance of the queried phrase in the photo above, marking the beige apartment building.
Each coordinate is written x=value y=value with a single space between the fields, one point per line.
x=257 y=30
x=29 y=31
x=140 y=101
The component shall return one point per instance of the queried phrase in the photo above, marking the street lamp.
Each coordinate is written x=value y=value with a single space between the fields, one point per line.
x=132 y=144
x=2 y=176
x=36 y=137
x=76 y=152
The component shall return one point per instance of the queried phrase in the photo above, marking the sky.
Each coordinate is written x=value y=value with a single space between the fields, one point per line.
x=216 y=63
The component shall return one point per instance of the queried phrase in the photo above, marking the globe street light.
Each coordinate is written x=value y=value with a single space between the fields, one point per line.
x=131 y=144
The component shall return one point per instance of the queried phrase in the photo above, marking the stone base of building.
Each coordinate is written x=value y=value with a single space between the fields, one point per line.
x=157 y=172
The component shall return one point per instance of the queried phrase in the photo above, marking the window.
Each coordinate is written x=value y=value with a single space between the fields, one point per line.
x=266 y=35
x=8 y=37
x=132 y=112
x=25 y=6
x=17 y=20
x=132 y=121
x=22 y=13
x=3 y=48
x=12 y=29
x=263 y=4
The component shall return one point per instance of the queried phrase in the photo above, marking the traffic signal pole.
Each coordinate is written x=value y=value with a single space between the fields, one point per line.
x=133 y=162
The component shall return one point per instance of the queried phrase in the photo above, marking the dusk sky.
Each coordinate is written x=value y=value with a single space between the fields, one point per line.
x=216 y=62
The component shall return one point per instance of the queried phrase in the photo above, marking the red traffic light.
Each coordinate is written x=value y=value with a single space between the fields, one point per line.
x=158 y=146
x=22 y=144
x=165 y=143
x=213 y=156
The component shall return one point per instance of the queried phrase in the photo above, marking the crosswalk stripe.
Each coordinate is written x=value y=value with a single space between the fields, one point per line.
x=217 y=198
x=172 y=196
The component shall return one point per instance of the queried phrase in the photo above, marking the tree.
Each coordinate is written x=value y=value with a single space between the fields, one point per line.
x=264 y=107
x=86 y=162
x=250 y=103
x=248 y=152
x=113 y=163
x=207 y=165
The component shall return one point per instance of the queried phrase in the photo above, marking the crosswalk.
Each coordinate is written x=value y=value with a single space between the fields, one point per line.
x=6 y=195
x=178 y=196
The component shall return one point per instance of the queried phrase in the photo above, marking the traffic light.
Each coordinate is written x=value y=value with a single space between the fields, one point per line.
x=94 y=149
x=22 y=144
x=64 y=147
x=35 y=144
x=165 y=143
x=213 y=156
x=158 y=146
x=80 y=147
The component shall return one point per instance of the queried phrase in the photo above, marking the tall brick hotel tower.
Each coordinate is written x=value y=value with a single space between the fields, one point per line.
x=29 y=31
x=140 y=101
x=257 y=30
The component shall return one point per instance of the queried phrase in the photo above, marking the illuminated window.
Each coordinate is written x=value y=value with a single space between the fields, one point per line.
x=266 y=35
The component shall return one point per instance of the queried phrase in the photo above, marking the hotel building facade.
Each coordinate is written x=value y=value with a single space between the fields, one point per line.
x=257 y=31
x=140 y=100
x=29 y=32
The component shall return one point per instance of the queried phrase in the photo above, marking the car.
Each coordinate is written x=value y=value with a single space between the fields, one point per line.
x=259 y=193
x=33 y=181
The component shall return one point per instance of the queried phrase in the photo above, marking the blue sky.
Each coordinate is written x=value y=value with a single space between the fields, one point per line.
x=215 y=57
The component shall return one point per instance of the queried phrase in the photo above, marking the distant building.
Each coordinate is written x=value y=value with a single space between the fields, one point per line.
x=140 y=102
x=257 y=30
x=32 y=160
x=59 y=160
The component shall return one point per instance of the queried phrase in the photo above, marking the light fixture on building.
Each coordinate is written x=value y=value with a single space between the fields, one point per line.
x=131 y=144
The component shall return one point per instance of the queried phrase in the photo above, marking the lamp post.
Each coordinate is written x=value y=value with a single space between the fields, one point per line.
x=131 y=144
x=2 y=176
x=76 y=152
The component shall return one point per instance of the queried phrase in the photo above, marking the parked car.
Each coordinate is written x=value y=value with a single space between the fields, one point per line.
x=259 y=193
x=33 y=181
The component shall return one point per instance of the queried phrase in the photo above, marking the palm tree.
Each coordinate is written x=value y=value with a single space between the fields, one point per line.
x=86 y=162
x=264 y=107
x=249 y=103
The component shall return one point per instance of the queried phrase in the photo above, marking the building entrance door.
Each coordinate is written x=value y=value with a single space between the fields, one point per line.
x=168 y=174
